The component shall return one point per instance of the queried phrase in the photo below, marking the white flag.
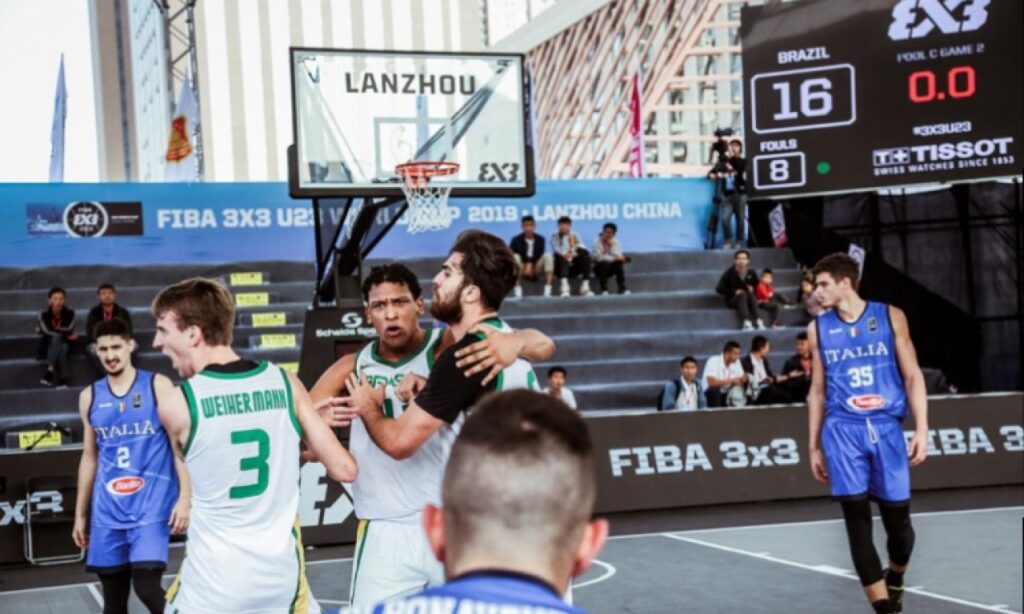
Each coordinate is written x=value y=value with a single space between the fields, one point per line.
x=181 y=156
x=60 y=113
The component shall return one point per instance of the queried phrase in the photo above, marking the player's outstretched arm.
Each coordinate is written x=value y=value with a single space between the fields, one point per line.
x=330 y=399
x=320 y=438
x=182 y=510
x=498 y=350
x=86 y=472
x=399 y=437
x=816 y=407
x=913 y=381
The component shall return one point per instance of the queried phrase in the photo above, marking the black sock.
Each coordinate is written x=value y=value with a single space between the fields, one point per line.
x=882 y=606
x=893 y=579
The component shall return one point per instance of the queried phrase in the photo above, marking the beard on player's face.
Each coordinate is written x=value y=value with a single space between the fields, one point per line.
x=447 y=309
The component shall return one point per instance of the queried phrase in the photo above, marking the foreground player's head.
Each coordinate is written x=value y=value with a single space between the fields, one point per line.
x=519 y=492
x=394 y=303
x=835 y=279
x=479 y=272
x=192 y=315
x=114 y=345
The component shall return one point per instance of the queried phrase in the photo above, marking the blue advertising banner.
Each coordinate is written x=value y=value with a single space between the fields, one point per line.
x=130 y=223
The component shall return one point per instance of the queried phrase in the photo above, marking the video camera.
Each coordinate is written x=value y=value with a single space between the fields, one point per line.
x=720 y=146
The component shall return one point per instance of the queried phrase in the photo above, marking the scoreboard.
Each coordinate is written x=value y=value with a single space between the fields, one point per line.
x=850 y=95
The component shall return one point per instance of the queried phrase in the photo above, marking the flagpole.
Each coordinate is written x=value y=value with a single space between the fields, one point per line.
x=60 y=113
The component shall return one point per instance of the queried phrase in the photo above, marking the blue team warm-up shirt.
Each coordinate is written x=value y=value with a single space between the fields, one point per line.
x=135 y=479
x=862 y=375
x=483 y=591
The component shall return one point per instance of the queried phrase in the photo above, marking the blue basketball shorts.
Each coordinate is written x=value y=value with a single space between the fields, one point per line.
x=112 y=550
x=867 y=457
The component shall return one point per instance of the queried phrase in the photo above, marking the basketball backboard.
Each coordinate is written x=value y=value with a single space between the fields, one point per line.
x=358 y=113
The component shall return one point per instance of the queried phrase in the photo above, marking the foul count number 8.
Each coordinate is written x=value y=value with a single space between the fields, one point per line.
x=778 y=170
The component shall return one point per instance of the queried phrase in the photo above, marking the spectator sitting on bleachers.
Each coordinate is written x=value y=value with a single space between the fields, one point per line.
x=799 y=368
x=528 y=249
x=810 y=301
x=56 y=325
x=556 y=387
x=571 y=258
x=683 y=393
x=737 y=285
x=107 y=309
x=764 y=387
x=724 y=381
x=767 y=300
x=609 y=259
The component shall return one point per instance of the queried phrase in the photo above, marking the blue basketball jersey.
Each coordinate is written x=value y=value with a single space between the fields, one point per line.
x=484 y=591
x=135 y=480
x=862 y=376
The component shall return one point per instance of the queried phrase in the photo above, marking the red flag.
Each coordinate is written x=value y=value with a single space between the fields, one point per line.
x=636 y=131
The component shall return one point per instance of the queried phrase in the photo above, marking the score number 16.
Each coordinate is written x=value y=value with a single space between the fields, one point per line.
x=803 y=99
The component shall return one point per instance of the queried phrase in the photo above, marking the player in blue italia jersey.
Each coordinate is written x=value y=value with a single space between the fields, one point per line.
x=511 y=542
x=132 y=491
x=865 y=377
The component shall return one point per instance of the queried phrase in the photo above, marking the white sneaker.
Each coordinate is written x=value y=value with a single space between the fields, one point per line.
x=517 y=292
x=626 y=292
x=747 y=325
x=604 y=293
x=547 y=289
x=564 y=289
x=585 y=288
x=760 y=324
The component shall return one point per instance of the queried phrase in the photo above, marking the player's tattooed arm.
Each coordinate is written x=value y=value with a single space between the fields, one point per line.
x=816 y=407
x=86 y=472
x=498 y=350
x=913 y=381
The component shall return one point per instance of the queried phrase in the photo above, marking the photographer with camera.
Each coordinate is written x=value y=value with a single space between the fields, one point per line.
x=728 y=174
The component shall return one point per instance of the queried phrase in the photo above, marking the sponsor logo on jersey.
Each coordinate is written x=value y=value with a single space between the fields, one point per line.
x=137 y=400
x=127 y=485
x=866 y=402
x=872 y=324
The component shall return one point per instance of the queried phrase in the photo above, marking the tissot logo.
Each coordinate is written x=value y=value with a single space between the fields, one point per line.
x=919 y=18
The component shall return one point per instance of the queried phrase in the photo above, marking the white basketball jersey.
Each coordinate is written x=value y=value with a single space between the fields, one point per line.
x=518 y=374
x=389 y=489
x=244 y=550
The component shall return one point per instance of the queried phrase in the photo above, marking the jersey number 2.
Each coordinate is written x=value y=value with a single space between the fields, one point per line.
x=256 y=463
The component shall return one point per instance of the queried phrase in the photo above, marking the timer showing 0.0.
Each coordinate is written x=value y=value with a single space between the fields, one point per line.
x=923 y=84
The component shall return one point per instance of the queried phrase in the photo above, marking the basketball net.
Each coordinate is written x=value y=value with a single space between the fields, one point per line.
x=428 y=204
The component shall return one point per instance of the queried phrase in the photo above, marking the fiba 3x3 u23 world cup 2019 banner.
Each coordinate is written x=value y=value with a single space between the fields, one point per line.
x=131 y=223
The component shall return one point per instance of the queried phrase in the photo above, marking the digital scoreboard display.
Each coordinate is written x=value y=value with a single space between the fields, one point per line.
x=850 y=95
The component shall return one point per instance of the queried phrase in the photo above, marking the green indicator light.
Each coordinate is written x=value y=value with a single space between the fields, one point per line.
x=824 y=168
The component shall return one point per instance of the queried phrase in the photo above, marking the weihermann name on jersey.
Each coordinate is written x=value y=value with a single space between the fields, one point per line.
x=243 y=403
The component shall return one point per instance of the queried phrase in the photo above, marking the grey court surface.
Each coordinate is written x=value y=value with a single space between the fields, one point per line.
x=965 y=561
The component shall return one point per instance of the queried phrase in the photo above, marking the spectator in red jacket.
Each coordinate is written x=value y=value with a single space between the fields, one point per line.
x=767 y=300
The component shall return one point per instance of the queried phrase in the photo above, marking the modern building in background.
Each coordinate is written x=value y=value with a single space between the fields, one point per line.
x=584 y=55
x=243 y=76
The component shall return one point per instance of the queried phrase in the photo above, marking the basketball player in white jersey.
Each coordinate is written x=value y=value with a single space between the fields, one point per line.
x=393 y=557
x=238 y=425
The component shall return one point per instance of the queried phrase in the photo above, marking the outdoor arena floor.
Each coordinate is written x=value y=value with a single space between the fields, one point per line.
x=768 y=557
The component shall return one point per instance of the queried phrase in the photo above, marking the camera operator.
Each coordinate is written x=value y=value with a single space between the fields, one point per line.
x=731 y=189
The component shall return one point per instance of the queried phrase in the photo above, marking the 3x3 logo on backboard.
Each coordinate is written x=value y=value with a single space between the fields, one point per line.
x=907 y=21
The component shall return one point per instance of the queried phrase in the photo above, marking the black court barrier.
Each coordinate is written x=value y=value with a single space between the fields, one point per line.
x=651 y=461
x=677 y=459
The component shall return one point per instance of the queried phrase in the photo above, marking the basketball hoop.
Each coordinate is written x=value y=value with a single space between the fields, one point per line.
x=428 y=204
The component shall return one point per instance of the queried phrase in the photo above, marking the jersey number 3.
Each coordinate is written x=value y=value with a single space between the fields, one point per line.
x=256 y=463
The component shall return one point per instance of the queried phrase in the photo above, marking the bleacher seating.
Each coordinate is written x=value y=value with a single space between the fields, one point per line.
x=618 y=350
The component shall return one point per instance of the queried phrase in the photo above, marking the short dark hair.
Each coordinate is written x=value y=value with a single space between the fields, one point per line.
x=686 y=360
x=736 y=142
x=801 y=336
x=528 y=218
x=565 y=219
x=758 y=343
x=106 y=286
x=610 y=225
x=488 y=264
x=556 y=369
x=767 y=271
x=740 y=251
x=730 y=345
x=115 y=327
x=490 y=493
x=392 y=273
x=839 y=266
x=55 y=290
